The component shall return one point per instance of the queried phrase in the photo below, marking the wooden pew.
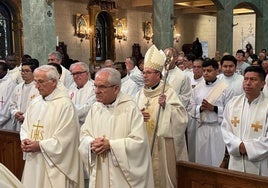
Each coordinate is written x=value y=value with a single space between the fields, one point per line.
x=192 y=175
x=10 y=152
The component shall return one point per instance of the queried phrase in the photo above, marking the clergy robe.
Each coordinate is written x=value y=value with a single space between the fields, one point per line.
x=7 y=85
x=66 y=77
x=247 y=123
x=128 y=86
x=136 y=75
x=16 y=75
x=21 y=98
x=7 y=179
x=178 y=80
x=128 y=163
x=83 y=98
x=53 y=122
x=170 y=145
x=210 y=147
x=235 y=82
x=265 y=89
x=240 y=68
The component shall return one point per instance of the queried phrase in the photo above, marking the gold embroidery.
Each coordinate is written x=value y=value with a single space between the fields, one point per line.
x=256 y=126
x=37 y=133
x=235 y=121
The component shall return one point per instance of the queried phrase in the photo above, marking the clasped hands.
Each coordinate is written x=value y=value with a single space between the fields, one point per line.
x=100 y=146
x=206 y=106
x=28 y=145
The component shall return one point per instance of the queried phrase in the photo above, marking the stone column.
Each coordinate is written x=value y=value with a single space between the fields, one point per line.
x=225 y=30
x=163 y=23
x=38 y=29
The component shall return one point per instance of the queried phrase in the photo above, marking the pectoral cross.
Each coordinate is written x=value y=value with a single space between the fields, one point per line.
x=2 y=101
x=147 y=105
x=36 y=131
x=256 y=126
x=235 y=121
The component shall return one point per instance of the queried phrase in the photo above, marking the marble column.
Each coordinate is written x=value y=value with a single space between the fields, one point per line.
x=225 y=30
x=163 y=23
x=38 y=29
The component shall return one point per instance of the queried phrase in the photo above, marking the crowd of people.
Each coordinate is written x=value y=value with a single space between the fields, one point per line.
x=126 y=124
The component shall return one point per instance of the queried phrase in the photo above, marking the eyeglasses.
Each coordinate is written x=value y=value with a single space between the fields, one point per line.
x=148 y=72
x=102 y=87
x=78 y=73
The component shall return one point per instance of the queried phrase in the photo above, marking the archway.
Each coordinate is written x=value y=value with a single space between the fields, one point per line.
x=244 y=26
x=11 y=14
x=104 y=37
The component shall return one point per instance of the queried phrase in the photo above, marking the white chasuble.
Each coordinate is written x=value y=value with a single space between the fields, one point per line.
x=52 y=121
x=128 y=163
x=247 y=123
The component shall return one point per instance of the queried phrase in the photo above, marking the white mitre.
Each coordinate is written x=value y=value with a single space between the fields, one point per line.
x=154 y=59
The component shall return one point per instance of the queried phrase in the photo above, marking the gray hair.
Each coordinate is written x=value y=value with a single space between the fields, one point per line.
x=57 y=54
x=84 y=66
x=51 y=72
x=114 y=76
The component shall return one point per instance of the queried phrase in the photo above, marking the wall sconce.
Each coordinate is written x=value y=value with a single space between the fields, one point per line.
x=120 y=28
x=176 y=35
x=148 y=31
x=82 y=29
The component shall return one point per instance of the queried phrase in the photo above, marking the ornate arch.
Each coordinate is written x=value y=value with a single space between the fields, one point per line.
x=102 y=40
x=15 y=35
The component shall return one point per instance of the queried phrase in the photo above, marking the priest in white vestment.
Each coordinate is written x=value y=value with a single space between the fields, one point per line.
x=170 y=142
x=7 y=86
x=177 y=79
x=7 y=179
x=82 y=91
x=128 y=86
x=229 y=76
x=66 y=77
x=133 y=71
x=50 y=136
x=196 y=79
x=206 y=106
x=113 y=141
x=245 y=126
x=23 y=94
x=13 y=68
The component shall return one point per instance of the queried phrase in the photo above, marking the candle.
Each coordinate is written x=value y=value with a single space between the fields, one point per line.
x=57 y=38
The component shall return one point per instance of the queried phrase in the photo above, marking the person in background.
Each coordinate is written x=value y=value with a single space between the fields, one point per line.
x=229 y=76
x=108 y=63
x=177 y=78
x=128 y=86
x=133 y=71
x=7 y=86
x=24 y=93
x=13 y=68
x=81 y=92
x=66 y=77
x=241 y=65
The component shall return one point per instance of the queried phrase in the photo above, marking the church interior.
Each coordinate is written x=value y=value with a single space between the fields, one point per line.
x=94 y=30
